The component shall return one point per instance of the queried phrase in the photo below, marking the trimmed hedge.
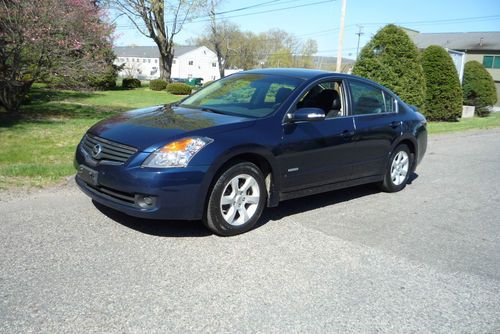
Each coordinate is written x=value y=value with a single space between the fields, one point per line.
x=131 y=83
x=443 y=99
x=479 y=88
x=391 y=59
x=157 y=84
x=178 y=88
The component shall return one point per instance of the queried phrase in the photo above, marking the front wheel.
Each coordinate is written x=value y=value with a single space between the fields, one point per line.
x=236 y=201
x=397 y=175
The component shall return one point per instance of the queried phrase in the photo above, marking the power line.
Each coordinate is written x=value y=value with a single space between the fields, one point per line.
x=455 y=20
x=199 y=19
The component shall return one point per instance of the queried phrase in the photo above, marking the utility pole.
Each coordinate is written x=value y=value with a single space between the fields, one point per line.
x=359 y=33
x=341 y=37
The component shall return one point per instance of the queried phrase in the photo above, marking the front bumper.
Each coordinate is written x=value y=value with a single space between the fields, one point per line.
x=175 y=193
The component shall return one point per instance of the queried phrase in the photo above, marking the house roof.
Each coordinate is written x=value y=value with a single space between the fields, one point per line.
x=489 y=40
x=149 y=51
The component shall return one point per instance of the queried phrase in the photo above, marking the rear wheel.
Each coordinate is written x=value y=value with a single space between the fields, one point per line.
x=398 y=171
x=236 y=201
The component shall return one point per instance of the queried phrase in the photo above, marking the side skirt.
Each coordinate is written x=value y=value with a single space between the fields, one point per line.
x=283 y=196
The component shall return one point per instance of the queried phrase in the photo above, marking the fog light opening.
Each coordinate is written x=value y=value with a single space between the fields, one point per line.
x=145 y=201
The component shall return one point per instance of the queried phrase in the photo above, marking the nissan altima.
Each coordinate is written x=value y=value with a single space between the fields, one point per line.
x=250 y=141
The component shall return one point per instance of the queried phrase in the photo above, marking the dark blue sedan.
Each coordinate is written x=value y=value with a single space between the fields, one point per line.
x=249 y=141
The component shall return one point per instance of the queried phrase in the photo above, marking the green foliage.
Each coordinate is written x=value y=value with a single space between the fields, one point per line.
x=37 y=144
x=207 y=83
x=178 y=88
x=391 y=59
x=131 y=83
x=66 y=42
x=465 y=124
x=157 y=84
x=443 y=97
x=479 y=88
x=281 y=58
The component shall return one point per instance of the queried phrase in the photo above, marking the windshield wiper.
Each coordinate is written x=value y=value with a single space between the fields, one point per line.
x=213 y=110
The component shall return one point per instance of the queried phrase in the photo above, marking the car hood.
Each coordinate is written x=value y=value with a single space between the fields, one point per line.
x=149 y=128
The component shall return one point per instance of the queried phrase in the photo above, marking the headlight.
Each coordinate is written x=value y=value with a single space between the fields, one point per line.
x=177 y=153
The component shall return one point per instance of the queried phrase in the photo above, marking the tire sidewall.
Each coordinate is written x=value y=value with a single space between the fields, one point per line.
x=388 y=185
x=213 y=218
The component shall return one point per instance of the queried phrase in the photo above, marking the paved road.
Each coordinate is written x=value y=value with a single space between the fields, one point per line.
x=423 y=260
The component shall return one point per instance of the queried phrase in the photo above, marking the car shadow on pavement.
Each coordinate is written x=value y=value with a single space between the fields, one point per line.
x=180 y=228
x=160 y=228
x=304 y=204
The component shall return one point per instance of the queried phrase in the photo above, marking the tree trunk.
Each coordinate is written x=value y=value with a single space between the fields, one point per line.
x=13 y=93
x=166 y=65
x=220 y=59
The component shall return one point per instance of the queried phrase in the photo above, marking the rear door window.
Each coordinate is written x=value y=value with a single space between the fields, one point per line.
x=368 y=99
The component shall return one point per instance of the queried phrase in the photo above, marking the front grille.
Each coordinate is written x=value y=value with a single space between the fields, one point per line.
x=102 y=149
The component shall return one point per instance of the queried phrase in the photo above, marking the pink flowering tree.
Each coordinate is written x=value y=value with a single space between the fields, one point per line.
x=43 y=39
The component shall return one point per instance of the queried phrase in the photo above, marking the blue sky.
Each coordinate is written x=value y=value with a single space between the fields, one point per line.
x=320 y=19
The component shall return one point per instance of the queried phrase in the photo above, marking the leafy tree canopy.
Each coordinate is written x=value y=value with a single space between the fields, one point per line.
x=40 y=39
x=393 y=60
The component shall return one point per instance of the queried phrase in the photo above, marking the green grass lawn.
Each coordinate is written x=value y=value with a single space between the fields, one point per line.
x=476 y=123
x=37 y=148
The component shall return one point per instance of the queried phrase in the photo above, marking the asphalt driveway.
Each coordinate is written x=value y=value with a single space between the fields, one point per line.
x=426 y=259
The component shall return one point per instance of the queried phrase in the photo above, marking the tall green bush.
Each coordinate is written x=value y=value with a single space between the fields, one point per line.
x=131 y=83
x=178 y=88
x=157 y=84
x=393 y=60
x=443 y=98
x=479 y=88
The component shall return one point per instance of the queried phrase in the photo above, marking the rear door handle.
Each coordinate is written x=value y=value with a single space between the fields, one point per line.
x=395 y=124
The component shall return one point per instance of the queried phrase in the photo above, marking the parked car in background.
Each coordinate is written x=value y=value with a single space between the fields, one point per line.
x=248 y=141
x=195 y=82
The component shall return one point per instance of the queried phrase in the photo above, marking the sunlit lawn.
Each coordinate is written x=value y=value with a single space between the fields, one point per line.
x=476 y=123
x=36 y=149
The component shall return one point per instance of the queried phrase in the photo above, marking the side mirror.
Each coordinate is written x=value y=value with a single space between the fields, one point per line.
x=306 y=115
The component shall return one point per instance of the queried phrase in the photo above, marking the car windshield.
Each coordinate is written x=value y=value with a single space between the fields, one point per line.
x=248 y=95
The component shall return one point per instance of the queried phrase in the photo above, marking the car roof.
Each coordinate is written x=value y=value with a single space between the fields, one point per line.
x=301 y=73
x=290 y=72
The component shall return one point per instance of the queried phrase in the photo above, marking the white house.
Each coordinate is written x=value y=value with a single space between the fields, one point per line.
x=142 y=62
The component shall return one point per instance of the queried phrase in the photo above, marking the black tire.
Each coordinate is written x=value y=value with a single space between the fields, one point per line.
x=214 y=219
x=389 y=184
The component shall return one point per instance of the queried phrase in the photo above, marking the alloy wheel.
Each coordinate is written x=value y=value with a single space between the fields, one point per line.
x=240 y=199
x=399 y=168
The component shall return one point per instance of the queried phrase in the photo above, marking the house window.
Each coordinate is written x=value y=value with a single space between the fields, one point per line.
x=149 y=61
x=214 y=64
x=174 y=61
x=491 y=61
x=144 y=60
x=190 y=62
x=156 y=61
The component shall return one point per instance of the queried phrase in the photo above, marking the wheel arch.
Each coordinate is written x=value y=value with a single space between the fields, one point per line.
x=257 y=155
x=412 y=145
